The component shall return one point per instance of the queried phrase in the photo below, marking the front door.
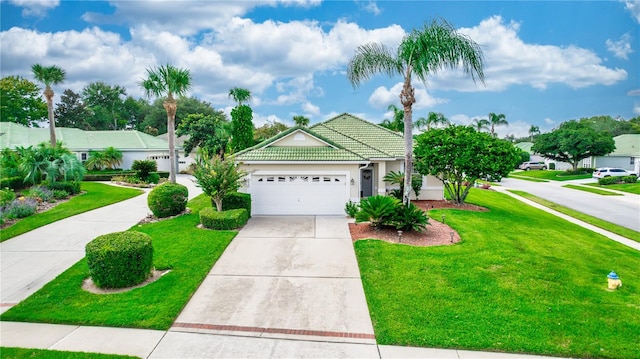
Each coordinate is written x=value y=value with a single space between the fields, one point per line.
x=366 y=182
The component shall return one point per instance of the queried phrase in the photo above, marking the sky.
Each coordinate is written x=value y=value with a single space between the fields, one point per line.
x=545 y=61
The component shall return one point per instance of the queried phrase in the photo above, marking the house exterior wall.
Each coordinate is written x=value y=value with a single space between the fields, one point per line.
x=128 y=156
x=614 y=161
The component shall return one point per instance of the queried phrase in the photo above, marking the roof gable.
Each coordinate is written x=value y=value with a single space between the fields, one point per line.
x=300 y=138
x=627 y=145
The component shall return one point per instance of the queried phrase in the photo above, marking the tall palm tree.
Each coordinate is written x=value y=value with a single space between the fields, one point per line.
x=433 y=119
x=397 y=123
x=241 y=120
x=168 y=81
x=49 y=75
x=240 y=95
x=480 y=124
x=421 y=53
x=301 y=120
x=533 y=130
x=497 y=120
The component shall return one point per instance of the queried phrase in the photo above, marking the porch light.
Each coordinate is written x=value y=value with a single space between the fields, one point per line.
x=353 y=182
x=451 y=234
x=614 y=281
x=399 y=236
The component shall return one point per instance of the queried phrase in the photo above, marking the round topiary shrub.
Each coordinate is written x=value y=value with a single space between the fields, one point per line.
x=168 y=199
x=120 y=259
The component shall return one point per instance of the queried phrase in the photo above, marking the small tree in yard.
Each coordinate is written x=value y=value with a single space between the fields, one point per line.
x=459 y=155
x=217 y=176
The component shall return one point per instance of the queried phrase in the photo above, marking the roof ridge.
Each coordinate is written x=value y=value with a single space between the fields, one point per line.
x=287 y=132
x=355 y=139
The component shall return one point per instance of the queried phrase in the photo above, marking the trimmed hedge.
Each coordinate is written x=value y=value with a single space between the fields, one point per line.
x=168 y=199
x=630 y=179
x=120 y=259
x=231 y=219
x=70 y=187
x=236 y=200
x=608 y=180
x=12 y=182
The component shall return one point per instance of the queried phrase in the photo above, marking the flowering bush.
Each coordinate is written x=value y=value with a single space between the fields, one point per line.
x=40 y=193
x=21 y=207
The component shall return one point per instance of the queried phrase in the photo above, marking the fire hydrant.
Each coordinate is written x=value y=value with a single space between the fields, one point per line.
x=614 y=281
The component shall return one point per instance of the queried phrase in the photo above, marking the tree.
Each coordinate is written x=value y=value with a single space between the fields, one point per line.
x=533 y=130
x=460 y=155
x=397 y=123
x=480 y=124
x=573 y=141
x=268 y=130
x=206 y=132
x=433 y=119
x=217 y=176
x=134 y=112
x=156 y=116
x=106 y=104
x=51 y=75
x=421 y=53
x=496 y=120
x=71 y=111
x=301 y=121
x=241 y=120
x=168 y=80
x=613 y=126
x=21 y=102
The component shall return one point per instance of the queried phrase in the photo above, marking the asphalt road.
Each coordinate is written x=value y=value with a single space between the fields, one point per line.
x=621 y=210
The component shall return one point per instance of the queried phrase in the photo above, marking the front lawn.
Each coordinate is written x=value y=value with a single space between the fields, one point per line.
x=624 y=187
x=521 y=281
x=97 y=195
x=592 y=190
x=550 y=175
x=20 y=353
x=178 y=245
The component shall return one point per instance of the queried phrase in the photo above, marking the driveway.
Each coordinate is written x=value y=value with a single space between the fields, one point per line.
x=621 y=210
x=282 y=278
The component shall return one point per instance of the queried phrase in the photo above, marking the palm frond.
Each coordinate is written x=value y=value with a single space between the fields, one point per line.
x=371 y=59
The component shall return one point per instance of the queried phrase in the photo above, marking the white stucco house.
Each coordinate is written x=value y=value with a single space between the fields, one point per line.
x=316 y=170
x=135 y=145
x=626 y=155
x=561 y=166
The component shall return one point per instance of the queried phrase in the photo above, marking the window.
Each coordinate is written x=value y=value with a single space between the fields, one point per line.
x=632 y=161
x=83 y=156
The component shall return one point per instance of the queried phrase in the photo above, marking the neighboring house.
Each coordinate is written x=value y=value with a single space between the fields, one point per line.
x=626 y=154
x=135 y=145
x=316 y=170
x=535 y=157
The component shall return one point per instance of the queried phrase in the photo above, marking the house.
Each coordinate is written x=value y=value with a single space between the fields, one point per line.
x=536 y=157
x=316 y=170
x=135 y=145
x=626 y=155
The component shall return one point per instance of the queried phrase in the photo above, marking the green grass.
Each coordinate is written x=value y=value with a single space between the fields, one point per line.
x=21 y=353
x=530 y=179
x=178 y=245
x=97 y=195
x=592 y=190
x=611 y=227
x=550 y=175
x=624 y=187
x=521 y=281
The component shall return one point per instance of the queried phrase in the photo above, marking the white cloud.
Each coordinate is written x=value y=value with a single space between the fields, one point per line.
x=636 y=108
x=510 y=61
x=310 y=109
x=549 y=121
x=633 y=6
x=635 y=92
x=36 y=8
x=382 y=97
x=372 y=7
x=621 y=48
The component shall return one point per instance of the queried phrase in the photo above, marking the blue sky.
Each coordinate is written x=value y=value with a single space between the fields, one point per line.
x=546 y=61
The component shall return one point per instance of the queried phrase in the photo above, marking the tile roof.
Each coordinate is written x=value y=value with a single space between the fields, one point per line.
x=349 y=138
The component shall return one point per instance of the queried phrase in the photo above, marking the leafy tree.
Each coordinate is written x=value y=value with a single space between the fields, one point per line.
x=241 y=120
x=51 y=75
x=217 y=176
x=480 y=124
x=573 y=141
x=433 y=119
x=71 y=111
x=134 y=112
x=105 y=103
x=156 y=116
x=533 y=130
x=21 y=102
x=397 y=123
x=301 y=121
x=268 y=130
x=421 y=53
x=610 y=125
x=205 y=131
x=459 y=155
x=168 y=81
x=497 y=120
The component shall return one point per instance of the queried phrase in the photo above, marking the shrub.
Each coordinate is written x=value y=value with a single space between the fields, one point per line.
x=224 y=220
x=144 y=167
x=608 y=180
x=60 y=194
x=630 y=179
x=153 y=177
x=21 y=207
x=410 y=218
x=15 y=182
x=120 y=259
x=168 y=199
x=40 y=193
x=71 y=187
x=552 y=165
x=236 y=200
x=378 y=210
x=351 y=209
x=6 y=196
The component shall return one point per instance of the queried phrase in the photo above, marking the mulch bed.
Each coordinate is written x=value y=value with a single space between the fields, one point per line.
x=436 y=234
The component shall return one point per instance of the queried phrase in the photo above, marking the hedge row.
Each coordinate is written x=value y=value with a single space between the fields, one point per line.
x=613 y=180
x=231 y=219
x=236 y=200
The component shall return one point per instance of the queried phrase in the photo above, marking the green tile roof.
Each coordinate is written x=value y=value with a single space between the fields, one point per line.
x=349 y=139
x=13 y=135
x=627 y=145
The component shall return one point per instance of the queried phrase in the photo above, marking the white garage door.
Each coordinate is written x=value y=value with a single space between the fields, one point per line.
x=317 y=194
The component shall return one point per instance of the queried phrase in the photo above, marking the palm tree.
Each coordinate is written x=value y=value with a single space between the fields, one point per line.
x=397 y=123
x=480 y=124
x=497 y=120
x=433 y=119
x=421 y=53
x=50 y=75
x=240 y=95
x=168 y=80
x=533 y=130
x=241 y=120
x=301 y=121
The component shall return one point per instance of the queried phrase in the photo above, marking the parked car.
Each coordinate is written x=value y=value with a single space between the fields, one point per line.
x=533 y=166
x=611 y=172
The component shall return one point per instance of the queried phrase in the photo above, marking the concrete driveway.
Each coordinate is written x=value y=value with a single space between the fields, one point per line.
x=282 y=277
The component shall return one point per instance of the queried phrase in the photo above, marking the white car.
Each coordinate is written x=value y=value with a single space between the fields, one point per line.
x=611 y=172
